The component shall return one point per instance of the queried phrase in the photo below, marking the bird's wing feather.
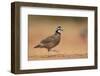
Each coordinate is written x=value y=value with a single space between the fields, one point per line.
x=48 y=39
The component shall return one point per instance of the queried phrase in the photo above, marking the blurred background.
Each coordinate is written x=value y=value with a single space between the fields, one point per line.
x=73 y=42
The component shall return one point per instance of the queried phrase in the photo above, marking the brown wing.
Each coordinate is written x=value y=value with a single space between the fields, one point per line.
x=48 y=39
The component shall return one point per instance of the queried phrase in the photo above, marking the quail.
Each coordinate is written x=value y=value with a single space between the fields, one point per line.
x=51 y=41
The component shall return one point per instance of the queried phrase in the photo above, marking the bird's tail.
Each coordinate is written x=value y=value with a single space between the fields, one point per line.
x=37 y=46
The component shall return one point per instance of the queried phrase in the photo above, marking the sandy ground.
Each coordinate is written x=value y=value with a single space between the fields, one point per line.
x=71 y=46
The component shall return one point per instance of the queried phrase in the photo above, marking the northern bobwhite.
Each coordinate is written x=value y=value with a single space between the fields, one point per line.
x=51 y=41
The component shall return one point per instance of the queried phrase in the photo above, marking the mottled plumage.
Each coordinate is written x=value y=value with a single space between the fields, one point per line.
x=51 y=41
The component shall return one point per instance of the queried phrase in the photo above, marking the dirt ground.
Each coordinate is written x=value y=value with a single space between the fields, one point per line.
x=71 y=46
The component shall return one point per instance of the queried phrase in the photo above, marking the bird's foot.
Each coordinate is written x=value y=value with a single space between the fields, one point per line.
x=54 y=50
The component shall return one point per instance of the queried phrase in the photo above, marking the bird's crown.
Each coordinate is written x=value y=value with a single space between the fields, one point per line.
x=59 y=28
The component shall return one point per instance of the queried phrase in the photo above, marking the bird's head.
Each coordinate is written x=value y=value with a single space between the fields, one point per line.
x=59 y=29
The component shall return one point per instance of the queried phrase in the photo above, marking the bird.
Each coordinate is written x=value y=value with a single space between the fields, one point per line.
x=51 y=41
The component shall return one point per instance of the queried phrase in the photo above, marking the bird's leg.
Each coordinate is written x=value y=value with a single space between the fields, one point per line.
x=49 y=50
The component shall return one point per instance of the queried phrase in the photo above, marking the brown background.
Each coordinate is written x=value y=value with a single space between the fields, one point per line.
x=71 y=44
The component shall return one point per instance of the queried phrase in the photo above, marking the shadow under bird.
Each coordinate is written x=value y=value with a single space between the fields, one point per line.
x=51 y=41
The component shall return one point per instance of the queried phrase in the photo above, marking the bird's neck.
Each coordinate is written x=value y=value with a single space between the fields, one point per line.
x=57 y=33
